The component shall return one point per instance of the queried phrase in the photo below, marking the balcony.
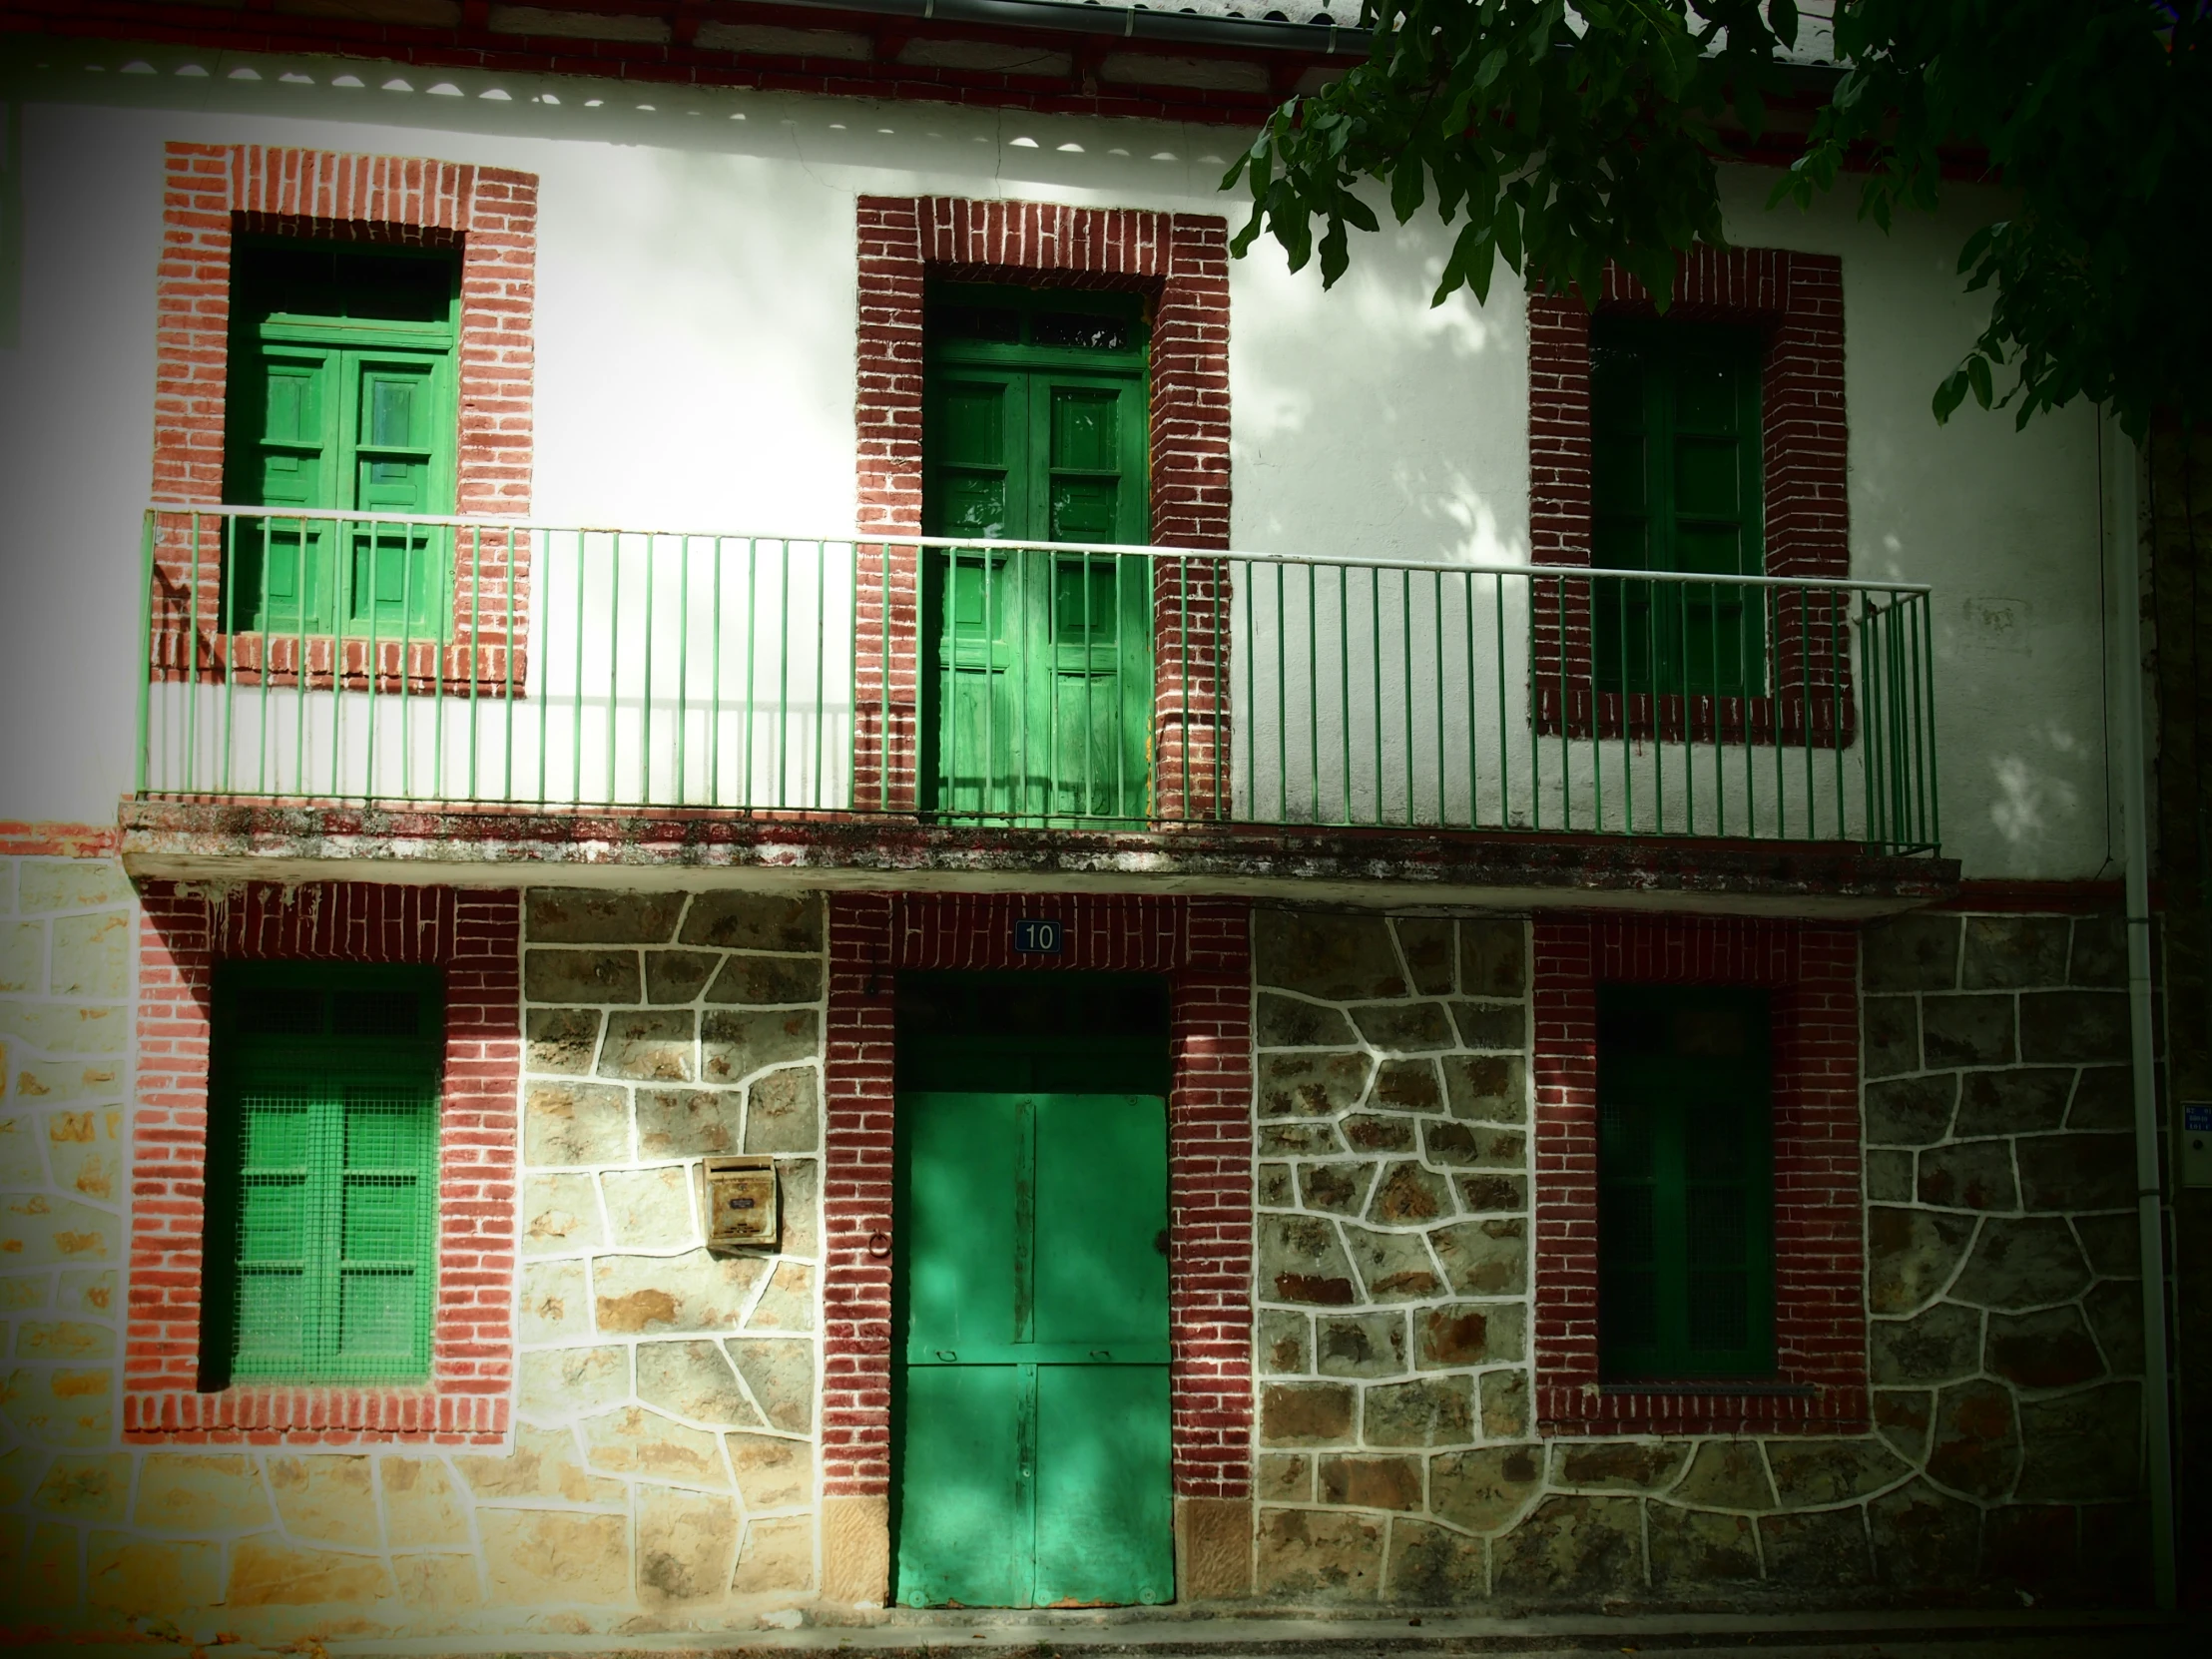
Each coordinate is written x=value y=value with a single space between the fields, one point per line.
x=526 y=688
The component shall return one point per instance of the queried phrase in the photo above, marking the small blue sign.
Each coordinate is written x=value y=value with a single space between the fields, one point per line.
x=2196 y=1117
x=1035 y=937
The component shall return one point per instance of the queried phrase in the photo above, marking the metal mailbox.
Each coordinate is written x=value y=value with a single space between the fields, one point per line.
x=740 y=1202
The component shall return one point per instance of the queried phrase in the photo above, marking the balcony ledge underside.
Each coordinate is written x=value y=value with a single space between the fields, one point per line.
x=1385 y=869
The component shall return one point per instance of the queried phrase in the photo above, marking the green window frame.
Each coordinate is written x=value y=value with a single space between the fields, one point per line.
x=1685 y=1183
x=343 y=396
x=323 y=1174
x=1677 y=484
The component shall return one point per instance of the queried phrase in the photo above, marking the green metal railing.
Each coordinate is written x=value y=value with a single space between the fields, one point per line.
x=296 y=658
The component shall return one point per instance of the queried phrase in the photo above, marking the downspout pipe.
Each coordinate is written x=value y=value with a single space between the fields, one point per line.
x=2149 y=1201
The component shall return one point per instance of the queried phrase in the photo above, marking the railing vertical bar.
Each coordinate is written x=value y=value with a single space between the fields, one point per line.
x=576 y=699
x=264 y=739
x=1720 y=702
x=508 y=619
x=1375 y=675
x=299 y=666
x=714 y=680
x=1836 y=704
x=1932 y=831
x=1597 y=717
x=1505 y=762
x=1282 y=706
x=1052 y=789
x=614 y=654
x=783 y=671
x=1767 y=650
x=226 y=653
x=752 y=626
x=1875 y=710
x=191 y=673
x=1805 y=699
x=1689 y=719
x=406 y=649
x=1628 y=705
x=1923 y=774
x=1183 y=679
x=1436 y=610
x=149 y=538
x=1474 y=777
x=1781 y=803
x=370 y=712
x=883 y=673
x=821 y=605
x=1224 y=590
x=1657 y=678
x=1250 y=592
x=1344 y=687
x=683 y=660
x=1124 y=787
x=645 y=703
x=1406 y=675
x=990 y=645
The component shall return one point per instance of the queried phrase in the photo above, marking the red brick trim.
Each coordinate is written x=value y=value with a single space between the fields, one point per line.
x=1819 y=1299
x=1205 y=950
x=59 y=840
x=1797 y=301
x=475 y=936
x=1182 y=261
x=215 y=193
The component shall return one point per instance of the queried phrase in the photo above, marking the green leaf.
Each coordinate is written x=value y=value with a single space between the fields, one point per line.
x=1978 y=376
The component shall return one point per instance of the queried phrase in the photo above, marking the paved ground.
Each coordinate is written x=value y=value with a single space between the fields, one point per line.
x=1872 y=1634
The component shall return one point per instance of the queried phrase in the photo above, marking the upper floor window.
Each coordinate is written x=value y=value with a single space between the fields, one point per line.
x=1676 y=463
x=341 y=397
x=321 y=1250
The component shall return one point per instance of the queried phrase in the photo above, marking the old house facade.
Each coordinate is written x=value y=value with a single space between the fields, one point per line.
x=767 y=859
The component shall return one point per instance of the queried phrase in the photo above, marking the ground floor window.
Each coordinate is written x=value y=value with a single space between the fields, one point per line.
x=321 y=1259
x=1685 y=1183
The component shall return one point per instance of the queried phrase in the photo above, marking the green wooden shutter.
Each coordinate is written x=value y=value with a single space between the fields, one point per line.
x=342 y=377
x=1685 y=1184
x=323 y=1174
x=1676 y=485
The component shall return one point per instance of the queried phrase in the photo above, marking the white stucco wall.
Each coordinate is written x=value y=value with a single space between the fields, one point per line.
x=695 y=370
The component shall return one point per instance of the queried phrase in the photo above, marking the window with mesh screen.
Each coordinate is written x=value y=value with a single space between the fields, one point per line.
x=1685 y=1183
x=322 y=1262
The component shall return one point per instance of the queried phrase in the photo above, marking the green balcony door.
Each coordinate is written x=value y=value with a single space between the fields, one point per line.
x=1033 y=1392
x=341 y=397
x=1035 y=430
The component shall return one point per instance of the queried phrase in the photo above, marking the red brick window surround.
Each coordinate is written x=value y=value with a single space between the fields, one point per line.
x=213 y=195
x=1796 y=303
x=475 y=938
x=1820 y=1326
x=1205 y=951
x=1181 y=262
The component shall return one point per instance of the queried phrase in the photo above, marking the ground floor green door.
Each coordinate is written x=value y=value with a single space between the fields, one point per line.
x=1032 y=1397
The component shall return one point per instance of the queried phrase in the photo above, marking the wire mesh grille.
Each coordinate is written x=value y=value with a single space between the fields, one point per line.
x=337 y=1182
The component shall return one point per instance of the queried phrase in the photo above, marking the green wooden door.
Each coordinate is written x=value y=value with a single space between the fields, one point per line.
x=1033 y=1389
x=1676 y=485
x=341 y=398
x=1042 y=661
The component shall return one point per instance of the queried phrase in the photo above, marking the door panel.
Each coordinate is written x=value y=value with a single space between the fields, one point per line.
x=1104 y=1512
x=965 y=1525
x=1034 y=1428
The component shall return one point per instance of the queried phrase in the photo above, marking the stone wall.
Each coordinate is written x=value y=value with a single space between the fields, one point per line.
x=2002 y=1270
x=1399 y=1462
x=65 y=985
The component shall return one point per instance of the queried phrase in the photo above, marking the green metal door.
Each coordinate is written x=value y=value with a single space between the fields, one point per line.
x=1042 y=683
x=1034 y=1443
